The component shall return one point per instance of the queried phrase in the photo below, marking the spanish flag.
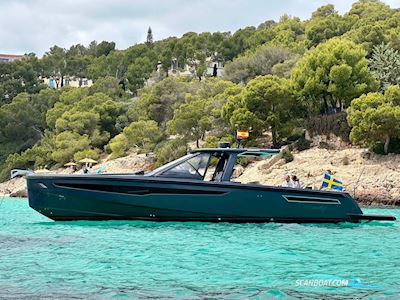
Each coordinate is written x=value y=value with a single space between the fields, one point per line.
x=331 y=183
x=242 y=134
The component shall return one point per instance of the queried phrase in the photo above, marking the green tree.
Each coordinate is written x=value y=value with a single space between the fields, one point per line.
x=261 y=62
x=143 y=134
x=109 y=86
x=375 y=118
x=238 y=43
x=191 y=119
x=90 y=119
x=100 y=104
x=118 y=145
x=199 y=62
x=170 y=150
x=270 y=99
x=244 y=119
x=38 y=155
x=67 y=144
x=138 y=72
x=325 y=23
x=55 y=64
x=335 y=71
x=149 y=39
x=104 y=48
x=370 y=23
x=233 y=97
x=266 y=103
x=157 y=102
x=114 y=64
x=76 y=66
x=22 y=122
x=19 y=76
x=67 y=100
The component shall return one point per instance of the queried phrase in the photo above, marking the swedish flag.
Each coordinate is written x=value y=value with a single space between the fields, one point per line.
x=331 y=183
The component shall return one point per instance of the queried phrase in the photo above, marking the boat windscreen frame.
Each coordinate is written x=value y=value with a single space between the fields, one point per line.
x=230 y=157
x=170 y=165
x=187 y=169
x=225 y=157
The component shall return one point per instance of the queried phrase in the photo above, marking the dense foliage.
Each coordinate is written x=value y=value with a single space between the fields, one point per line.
x=376 y=118
x=279 y=78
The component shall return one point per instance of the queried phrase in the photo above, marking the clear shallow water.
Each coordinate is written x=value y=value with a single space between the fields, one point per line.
x=40 y=258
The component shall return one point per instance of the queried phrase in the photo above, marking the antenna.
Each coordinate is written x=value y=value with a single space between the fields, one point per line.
x=356 y=183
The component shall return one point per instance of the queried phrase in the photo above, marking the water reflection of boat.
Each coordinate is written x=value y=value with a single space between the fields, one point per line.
x=196 y=187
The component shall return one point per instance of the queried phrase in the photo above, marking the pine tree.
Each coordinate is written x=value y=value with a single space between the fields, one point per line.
x=149 y=39
x=385 y=63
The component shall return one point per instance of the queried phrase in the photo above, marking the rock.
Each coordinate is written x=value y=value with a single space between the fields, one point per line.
x=20 y=193
x=238 y=171
x=14 y=186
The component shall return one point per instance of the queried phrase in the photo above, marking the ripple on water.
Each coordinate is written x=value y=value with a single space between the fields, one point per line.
x=123 y=259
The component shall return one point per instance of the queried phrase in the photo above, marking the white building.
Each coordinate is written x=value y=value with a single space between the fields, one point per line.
x=67 y=81
x=213 y=68
x=10 y=57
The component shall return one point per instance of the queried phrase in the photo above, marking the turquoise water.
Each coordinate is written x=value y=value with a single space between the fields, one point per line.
x=40 y=258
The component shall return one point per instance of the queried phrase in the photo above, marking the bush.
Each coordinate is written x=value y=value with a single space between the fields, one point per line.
x=287 y=156
x=345 y=160
x=244 y=161
x=394 y=147
x=212 y=141
x=330 y=125
x=144 y=134
x=170 y=150
x=118 y=146
x=296 y=134
x=303 y=144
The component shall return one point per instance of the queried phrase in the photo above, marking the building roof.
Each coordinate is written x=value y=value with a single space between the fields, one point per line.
x=12 y=56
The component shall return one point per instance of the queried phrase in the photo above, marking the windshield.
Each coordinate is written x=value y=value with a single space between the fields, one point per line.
x=192 y=168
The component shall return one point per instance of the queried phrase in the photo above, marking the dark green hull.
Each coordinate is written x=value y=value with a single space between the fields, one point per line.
x=130 y=197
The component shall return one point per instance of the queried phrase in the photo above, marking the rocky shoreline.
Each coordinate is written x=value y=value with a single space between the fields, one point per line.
x=372 y=180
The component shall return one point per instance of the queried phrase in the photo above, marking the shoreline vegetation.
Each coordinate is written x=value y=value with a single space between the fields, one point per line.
x=300 y=84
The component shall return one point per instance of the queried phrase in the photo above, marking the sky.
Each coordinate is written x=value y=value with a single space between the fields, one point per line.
x=36 y=25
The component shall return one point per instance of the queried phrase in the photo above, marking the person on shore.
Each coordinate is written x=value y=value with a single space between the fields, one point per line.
x=85 y=170
x=287 y=182
x=296 y=182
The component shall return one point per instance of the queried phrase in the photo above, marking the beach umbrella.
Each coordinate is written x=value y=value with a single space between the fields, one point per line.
x=70 y=164
x=87 y=160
